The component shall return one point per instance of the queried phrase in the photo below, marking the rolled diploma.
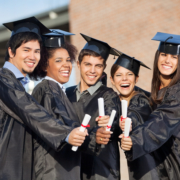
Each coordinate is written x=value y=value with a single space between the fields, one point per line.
x=124 y=108
x=101 y=107
x=127 y=127
x=111 y=119
x=85 y=122
x=108 y=128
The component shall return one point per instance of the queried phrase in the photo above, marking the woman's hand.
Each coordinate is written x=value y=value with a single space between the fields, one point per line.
x=103 y=136
x=76 y=137
x=126 y=142
x=102 y=121
x=122 y=124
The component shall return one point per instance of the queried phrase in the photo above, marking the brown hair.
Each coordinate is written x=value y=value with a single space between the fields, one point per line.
x=156 y=82
x=114 y=68
x=47 y=53
x=87 y=52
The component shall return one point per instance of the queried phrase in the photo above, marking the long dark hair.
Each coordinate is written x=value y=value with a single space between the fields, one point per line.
x=156 y=82
x=47 y=53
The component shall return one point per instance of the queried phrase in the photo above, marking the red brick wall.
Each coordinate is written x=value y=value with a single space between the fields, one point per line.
x=127 y=25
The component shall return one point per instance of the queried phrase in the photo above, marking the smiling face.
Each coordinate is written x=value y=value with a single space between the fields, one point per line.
x=124 y=80
x=167 y=64
x=27 y=56
x=91 y=69
x=60 y=66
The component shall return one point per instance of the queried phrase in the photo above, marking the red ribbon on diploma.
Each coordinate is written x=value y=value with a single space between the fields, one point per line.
x=85 y=125
x=109 y=127
x=122 y=118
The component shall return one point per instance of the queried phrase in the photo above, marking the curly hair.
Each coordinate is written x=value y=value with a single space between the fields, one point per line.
x=46 y=53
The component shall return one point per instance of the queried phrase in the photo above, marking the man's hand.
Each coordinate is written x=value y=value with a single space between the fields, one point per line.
x=76 y=137
x=103 y=120
x=102 y=136
x=122 y=124
x=126 y=142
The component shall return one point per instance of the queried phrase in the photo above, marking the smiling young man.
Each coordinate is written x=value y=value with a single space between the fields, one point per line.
x=20 y=113
x=84 y=96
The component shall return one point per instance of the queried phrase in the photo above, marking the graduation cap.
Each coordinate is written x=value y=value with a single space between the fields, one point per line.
x=30 y=24
x=169 y=43
x=130 y=63
x=56 y=38
x=100 y=47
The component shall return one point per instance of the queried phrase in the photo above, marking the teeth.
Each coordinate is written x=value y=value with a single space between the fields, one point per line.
x=65 y=71
x=91 y=76
x=124 y=85
x=167 y=67
x=30 y=63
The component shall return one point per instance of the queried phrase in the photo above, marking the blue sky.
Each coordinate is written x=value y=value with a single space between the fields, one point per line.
x=16 y=9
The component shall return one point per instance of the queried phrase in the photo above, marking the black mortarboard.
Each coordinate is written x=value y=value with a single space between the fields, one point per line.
x=100 y=47
x=130 y=63
x=55 y=38
x=169 y=43
x=30 y=24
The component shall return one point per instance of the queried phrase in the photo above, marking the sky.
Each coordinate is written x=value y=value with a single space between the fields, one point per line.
x=11 y=10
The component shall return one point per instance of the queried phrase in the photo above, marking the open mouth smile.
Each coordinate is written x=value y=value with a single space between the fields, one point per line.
x=30 y=64
x=91 y=77
x=166 y=67
x=125 y=86
x=65 y=73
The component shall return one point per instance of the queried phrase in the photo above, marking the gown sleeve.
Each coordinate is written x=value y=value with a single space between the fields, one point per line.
x=56 y=103
x=162 y=123
x=139 y=110
x=32 y=114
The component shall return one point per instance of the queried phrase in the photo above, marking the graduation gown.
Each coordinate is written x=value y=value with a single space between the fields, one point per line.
x=146 y=166
x=20 y=114
x=50 y=164
x=106 y=164
x=161 y=133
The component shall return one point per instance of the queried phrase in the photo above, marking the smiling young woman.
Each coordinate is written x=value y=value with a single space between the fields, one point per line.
x=164 y=73
x=124 y=76
x=160 y=132
x=55 y=67
x=124 y=81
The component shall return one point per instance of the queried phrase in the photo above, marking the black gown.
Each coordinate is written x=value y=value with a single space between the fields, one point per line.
x=146 y=166
x=20 y=114
x=106 y=164
x=161 y=133
x=50 y=164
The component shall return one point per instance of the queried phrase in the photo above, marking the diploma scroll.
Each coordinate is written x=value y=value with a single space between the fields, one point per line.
x=101 y=107
x=84 y=124
x=124 y=104
x=127 y=127
x=111 y=119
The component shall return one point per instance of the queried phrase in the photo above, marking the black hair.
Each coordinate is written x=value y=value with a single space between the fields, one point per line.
x=47 y=53
x=18 y=39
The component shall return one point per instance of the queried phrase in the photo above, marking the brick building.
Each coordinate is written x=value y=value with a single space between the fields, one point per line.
x=127 y=25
